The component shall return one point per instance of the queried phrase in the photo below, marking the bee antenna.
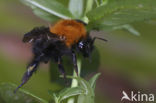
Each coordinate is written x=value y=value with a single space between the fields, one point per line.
x=99 y=39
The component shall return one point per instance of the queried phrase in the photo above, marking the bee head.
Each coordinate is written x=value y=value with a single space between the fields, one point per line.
x=86 y=45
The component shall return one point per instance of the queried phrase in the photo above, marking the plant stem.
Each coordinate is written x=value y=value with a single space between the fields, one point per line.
x=74 y=81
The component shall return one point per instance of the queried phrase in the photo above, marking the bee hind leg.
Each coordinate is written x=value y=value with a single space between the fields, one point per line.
x=32 y=67
x=27 y=76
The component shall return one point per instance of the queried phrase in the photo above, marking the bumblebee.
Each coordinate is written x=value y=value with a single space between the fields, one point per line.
x=66 y=37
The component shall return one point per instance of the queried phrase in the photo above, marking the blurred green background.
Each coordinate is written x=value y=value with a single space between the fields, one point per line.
x=127 y=62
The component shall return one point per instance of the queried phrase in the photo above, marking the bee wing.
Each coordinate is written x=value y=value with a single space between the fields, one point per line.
x=36 y=33
x=29 y=37
x=53 y=37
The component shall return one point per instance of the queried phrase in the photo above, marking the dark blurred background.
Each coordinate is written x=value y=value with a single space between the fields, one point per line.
x=127 y=62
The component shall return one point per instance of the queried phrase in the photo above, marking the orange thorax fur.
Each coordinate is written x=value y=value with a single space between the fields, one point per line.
x=71 y=30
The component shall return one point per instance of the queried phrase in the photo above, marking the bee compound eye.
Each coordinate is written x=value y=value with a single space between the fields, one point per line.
x=81 y=45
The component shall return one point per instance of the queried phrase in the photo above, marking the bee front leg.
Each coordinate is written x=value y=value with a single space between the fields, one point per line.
x=74 y=59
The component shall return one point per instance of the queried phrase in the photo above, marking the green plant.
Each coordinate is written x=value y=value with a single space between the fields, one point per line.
x=107 y=15
x=104 y=15
x=85 y=93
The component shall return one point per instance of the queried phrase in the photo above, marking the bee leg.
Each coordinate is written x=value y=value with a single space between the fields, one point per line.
x=61 y=68
x=27 y=75
x=30 y=70
x=74 y=59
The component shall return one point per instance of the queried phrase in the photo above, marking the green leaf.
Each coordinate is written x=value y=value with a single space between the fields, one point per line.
x=101 y=2
x=69 y=92
x=85 y=99
x=88 y=96
x=129 y=28
x=64 y=2
x=120 y=12
x=104 y=2
x=97 y=3
x=66 y=93
x=76 y=8
x=89 y=5
x=8 y=96
x=54 y=96
x=51 y=7
x=92 y=81
x=45 y=15
x=85 y=90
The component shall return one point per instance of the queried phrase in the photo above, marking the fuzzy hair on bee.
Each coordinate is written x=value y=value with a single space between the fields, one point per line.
x=65 y=37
